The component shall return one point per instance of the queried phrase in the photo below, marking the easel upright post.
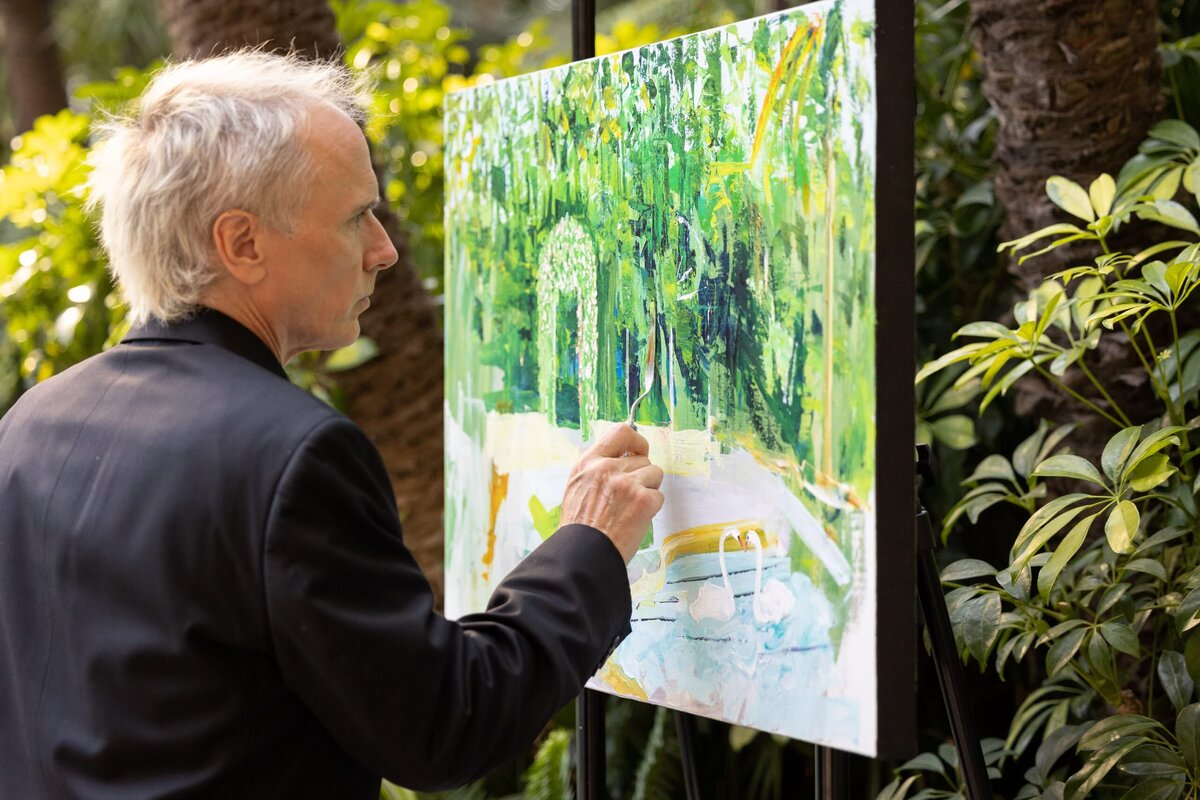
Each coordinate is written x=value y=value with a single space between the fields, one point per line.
x=945 y=650
x=589 y=706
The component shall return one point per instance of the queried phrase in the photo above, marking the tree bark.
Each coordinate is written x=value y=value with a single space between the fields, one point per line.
x=1075 y=85
x=35 y=74
x=200 y=28
x=396 y=398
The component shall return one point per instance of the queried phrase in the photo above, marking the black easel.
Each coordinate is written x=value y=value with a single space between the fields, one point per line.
x=831 y=765
x=589 y=706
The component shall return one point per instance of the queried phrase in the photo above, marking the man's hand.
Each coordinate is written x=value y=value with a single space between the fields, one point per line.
x=614 y=488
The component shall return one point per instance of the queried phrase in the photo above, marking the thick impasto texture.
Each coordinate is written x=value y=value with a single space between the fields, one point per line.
x=713 y=194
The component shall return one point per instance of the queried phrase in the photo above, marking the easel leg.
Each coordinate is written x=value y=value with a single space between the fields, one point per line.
x=830 y=771
x=948 y=665
x=589 y=745
x=685 y=727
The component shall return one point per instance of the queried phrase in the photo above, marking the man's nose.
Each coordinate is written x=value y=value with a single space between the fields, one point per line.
x=382 y=253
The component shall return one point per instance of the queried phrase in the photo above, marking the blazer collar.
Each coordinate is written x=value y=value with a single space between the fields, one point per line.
x=208 y=326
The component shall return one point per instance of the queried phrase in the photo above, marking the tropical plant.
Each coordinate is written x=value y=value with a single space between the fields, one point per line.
x=1100 y=594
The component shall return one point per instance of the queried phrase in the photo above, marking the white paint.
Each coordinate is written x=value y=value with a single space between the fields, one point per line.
x=713 y=601
x=772 y=602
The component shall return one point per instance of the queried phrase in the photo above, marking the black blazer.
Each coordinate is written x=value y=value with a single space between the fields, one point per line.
x=203 y=593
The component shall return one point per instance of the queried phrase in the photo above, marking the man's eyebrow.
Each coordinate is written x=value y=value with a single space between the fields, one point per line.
x=373 y=205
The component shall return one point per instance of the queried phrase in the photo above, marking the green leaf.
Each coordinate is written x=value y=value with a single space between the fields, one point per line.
x=956 y=431
x=1053 y=439
x=980 y=623
x=1100 y=657
x=1069 y=466
x=1025 y=457
x=1121 y=637
x=1018 y=587
x=1070 y=197
x=1061 y=628
x=1176 y=132
x=1173 y=674
x=1063 y=650
x=1112 y=595
x=355 y=355
x=1153 y=759
x=1148 y=566
x=1052 y=230
x=1153 y=443
x=897 y=789
x=994 y=467
x=1062 y=556
x=967 y=568
x=1122 y=526
x=1161 y=538
x=1100 y=764
x=1030 y=546
x=1110 y=729
x=1101 y=193
x=929 y=762
x=1191 y=654
x=1187 y=733
x=1055 y=746
x=953 y=357
x=1152 y=472
x=1044 y=515
x=1168 y=212
x=1118 y=449
x=1185 y=614
x=1155 y=789
x=986 y=329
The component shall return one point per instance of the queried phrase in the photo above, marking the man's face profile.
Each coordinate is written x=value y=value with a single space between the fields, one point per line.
x=318 y=278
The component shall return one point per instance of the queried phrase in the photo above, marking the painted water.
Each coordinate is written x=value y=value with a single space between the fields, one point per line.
x=714 y=193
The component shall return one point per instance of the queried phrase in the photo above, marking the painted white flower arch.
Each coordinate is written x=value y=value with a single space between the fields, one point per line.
x=567 y=268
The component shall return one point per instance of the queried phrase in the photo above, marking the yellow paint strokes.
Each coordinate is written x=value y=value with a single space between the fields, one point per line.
x=499 y=490
x=688 y=453
x=620 y=682
x=814 y=33
x=527 y=441
x=695 y=541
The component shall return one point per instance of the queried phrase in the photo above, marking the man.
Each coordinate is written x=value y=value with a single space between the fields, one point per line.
x=203 y=590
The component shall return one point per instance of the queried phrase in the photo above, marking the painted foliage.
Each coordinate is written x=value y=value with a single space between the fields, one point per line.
x=715 y=194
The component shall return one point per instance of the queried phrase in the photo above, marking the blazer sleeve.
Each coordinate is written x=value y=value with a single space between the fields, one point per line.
x=421 y=700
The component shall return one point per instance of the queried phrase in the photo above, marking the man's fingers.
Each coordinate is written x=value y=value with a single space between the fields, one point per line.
x=632 y=463
x=650 y=476
x=619 y=440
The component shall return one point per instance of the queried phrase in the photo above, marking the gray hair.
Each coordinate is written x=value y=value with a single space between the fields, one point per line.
x=205 y=137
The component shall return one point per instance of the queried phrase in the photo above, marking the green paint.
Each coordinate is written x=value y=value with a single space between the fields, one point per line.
x=545 y=522
x=725 y=181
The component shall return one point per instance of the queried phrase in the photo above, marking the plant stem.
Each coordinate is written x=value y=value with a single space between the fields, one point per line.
x=1142 y=358
x=1048 y=376
x=1111 y=402
x=1175 y=92
x=1175 y=414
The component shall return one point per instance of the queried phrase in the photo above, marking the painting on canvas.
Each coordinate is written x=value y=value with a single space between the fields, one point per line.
x=697 y=217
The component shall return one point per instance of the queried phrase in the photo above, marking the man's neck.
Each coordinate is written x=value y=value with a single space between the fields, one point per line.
x=242 y=310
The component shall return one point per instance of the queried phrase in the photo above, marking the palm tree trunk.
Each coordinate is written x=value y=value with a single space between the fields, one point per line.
x=201 y=28
x=396 y=398
x=1075 y=85
x=35 y=75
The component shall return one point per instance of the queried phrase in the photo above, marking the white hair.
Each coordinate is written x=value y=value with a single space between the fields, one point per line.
x=206 y=137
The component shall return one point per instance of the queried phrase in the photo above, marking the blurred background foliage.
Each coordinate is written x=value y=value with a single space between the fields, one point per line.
x=57 y=304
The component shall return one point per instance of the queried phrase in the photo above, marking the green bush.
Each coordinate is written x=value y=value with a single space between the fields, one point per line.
x=1101 y=593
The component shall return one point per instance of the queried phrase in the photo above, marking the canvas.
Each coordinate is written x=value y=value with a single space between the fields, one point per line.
x=696 y=217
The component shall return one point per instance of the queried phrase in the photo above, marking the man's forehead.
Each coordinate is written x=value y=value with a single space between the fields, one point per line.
x=331 y=132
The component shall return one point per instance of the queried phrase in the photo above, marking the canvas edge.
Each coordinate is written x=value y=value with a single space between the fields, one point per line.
x=895 y=356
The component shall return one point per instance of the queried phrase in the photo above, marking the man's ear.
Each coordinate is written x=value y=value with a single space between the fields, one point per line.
x=237 y=238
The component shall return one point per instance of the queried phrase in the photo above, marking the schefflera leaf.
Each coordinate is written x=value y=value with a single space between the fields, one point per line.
x=1122 y=526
